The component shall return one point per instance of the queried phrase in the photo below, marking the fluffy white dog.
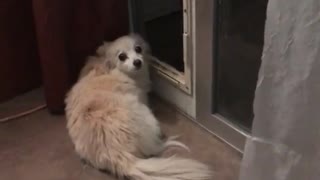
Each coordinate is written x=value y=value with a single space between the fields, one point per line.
x=110 y=123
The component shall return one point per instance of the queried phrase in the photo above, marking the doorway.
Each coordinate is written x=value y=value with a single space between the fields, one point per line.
x=165 y=24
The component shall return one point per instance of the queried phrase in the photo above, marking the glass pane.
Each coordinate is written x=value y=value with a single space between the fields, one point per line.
x=240 y=44
x=163 y=21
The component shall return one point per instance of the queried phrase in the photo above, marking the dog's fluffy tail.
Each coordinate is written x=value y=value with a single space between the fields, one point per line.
x=172 y=168
x=171 y=141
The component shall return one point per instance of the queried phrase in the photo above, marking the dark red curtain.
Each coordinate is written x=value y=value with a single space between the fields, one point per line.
x=19 y=63
x=51 y=39
x=67 y=31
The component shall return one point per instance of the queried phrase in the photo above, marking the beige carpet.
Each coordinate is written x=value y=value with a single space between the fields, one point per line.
x=37 y=147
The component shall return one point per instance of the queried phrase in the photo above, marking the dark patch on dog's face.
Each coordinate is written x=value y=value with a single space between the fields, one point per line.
x=122 y=56
x=138 y=49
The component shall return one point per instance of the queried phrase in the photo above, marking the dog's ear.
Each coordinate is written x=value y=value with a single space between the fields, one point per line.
x=101 y=51
x=109 y=65
x=140 y=40
x=135 y=36
x=93 y=63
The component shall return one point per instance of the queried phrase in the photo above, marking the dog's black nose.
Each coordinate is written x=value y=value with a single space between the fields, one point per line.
x=137 y=63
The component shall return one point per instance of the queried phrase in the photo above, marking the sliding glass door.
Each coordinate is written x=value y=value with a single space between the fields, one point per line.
x=229 y=43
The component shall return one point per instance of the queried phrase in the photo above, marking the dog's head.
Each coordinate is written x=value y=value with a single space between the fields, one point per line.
x=129 y=54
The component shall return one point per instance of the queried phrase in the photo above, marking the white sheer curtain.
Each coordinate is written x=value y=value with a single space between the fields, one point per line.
x=285 y=143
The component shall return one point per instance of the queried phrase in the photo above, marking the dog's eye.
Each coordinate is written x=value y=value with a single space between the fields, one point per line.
x=138 y=49
x=122 y=56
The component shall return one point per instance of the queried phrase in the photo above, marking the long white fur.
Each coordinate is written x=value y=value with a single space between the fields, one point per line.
x=110 y=123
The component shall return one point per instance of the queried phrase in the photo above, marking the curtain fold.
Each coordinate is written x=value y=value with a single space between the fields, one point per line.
x=286 y=128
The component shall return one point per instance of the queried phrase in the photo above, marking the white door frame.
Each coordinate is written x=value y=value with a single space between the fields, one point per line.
x=173 y=86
